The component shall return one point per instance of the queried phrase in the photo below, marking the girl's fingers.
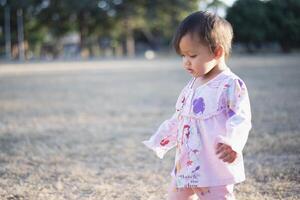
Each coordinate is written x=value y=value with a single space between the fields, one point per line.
x=227 y=158
x=223 y=155
x=226 y=153
x=230 y=157
x=231 y=160
x=221 y=148
x=219 y=145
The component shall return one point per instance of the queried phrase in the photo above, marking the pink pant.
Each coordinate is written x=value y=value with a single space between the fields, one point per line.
x=224 y=192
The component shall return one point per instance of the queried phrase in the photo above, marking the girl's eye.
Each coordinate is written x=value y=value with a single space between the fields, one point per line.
x=192 y=56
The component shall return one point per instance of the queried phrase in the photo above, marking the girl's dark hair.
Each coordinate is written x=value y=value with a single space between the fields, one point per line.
x=210 y=29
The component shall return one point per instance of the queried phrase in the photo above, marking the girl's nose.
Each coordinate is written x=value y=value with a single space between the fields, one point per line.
x=185 y=61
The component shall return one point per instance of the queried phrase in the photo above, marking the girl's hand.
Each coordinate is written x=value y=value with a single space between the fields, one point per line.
x=226 y=153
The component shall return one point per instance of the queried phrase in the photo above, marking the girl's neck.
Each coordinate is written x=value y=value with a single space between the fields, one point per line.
x=221 y=66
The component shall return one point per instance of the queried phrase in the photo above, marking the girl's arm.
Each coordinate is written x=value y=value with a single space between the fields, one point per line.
x=238 y=122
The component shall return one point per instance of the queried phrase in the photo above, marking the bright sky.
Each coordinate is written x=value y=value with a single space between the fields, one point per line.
x=221 y=12
x=229 y=2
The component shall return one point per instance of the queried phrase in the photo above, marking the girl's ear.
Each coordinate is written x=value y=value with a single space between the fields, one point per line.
x=219 y=50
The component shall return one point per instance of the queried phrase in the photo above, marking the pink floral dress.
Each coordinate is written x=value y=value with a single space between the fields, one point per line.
x=216 y=112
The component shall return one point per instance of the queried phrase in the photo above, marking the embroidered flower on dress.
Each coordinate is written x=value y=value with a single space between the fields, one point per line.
x=240 y=82
x=231 y=113
x=197 y=168
x=198 y=105
x=164 y=142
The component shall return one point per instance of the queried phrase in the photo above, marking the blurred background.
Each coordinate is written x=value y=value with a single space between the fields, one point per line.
x=86 y=29
x=83 y=83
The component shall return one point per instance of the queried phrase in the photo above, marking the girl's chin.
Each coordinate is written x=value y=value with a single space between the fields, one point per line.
x=194 y=74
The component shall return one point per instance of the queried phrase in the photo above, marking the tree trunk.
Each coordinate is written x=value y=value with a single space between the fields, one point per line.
x=20 y=28
x=84 y=52
x=7 y=32
x=129 y=39
x=285 y=47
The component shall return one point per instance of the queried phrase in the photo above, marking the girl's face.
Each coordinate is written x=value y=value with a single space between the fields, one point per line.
x=197 y=58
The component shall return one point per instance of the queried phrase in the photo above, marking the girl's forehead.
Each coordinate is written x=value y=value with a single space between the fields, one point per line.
x=189 y=42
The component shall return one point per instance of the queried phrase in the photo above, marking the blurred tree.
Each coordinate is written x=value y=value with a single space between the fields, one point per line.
x=91 y=21
x=156 y=20
x=129 y=18
x=215 y=5
x=85 y=17
x=36 y=29
x=21 y=27
x=116 y=22
x=164 y=16
x=5 y=33
x=250 y=22
x=256 y=22
x=285 y=23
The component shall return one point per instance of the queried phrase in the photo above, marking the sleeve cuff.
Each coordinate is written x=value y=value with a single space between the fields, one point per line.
x=158 y=151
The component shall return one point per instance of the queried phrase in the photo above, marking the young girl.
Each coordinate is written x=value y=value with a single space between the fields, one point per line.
x=213 y=118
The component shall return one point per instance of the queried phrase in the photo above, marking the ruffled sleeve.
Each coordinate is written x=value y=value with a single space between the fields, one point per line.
x=238 y=123
x=165 y=138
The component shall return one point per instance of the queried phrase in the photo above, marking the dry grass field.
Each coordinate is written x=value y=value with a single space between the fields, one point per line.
x=73 y=130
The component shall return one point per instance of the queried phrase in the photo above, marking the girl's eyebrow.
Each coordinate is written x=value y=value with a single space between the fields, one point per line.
x=187 y=52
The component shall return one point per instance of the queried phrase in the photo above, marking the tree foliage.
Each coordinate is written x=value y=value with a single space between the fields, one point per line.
x=256 y=22
x=285 y=23
x=121 y=22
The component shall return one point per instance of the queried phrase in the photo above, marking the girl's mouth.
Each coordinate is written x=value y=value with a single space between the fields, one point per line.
x=190 y=70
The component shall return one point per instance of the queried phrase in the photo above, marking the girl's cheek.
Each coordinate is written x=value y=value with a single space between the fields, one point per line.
x=185 y=61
